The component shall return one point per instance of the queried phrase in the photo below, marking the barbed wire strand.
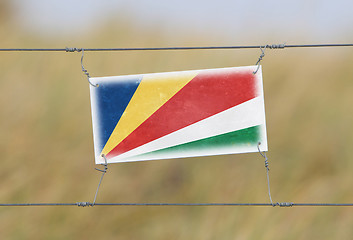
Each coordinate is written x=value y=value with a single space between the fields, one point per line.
x=271 y=46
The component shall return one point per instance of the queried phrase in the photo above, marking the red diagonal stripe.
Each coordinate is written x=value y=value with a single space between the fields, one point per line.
x=207 y=94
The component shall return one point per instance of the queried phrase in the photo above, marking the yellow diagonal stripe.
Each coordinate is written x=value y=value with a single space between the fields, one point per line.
x=153 y=91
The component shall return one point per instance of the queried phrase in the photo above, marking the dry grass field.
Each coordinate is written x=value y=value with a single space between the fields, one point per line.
x=47 y=146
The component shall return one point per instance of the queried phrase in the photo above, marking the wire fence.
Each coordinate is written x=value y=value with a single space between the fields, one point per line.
x=262 y=47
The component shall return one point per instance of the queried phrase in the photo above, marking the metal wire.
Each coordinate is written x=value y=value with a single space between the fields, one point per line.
x=263 y=154
x=88 y=204
x=103 y=172
x=258 y=64
x=35 y=204
x=82 y=67
x=272 y=46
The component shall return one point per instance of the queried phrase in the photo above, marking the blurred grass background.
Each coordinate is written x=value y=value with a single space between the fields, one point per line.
x=47 y=145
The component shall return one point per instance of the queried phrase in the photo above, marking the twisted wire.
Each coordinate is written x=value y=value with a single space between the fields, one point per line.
x=263 y=154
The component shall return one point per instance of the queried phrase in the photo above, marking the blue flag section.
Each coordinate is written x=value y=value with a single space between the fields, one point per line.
x=112 y=100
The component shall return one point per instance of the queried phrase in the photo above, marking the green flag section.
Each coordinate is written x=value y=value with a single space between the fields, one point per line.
x=243 y=138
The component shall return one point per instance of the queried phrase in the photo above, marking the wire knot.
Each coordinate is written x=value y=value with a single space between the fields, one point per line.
x=283 y=204
x=263 y=154
x=267 y=164
x=67 y=49
x=263 y=48
x=260 y=59
x=105 y=164
x=84 y=204
x=276 y=46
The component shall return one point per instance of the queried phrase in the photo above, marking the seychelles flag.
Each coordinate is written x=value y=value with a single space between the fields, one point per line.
x=178 y=114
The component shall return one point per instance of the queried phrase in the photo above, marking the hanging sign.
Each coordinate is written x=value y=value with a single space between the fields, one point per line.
x=178 y=114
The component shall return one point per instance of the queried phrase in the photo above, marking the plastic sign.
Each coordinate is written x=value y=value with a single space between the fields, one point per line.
x=178 y=114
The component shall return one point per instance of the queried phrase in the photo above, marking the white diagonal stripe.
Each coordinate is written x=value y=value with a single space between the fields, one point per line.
x=245 y=115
